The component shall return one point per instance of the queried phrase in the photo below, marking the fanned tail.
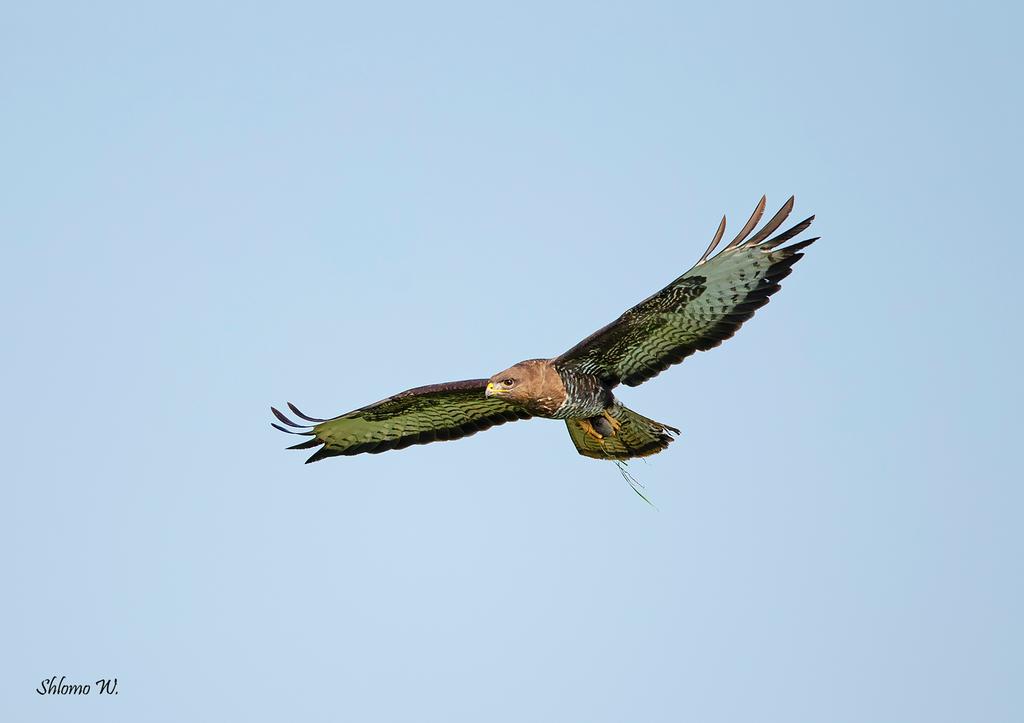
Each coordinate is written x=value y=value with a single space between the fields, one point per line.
x=637 y=436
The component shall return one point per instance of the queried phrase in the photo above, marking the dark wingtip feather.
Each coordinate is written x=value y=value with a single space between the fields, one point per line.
x=285 y=419
x=320 y=454
x=300 y=415
x=795 y=248
x=308 y=444
x=787 y=235
x=288 y=431
x=769 y=228
x=714 y=242
x=750 y=224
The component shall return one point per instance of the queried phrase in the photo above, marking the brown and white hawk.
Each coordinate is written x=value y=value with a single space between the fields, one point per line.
x=698 y=311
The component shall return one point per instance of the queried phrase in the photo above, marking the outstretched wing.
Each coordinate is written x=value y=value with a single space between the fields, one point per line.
x=699 y=310
x=435 y=413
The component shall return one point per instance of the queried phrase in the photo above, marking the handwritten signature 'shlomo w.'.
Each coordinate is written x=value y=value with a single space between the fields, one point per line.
x=53 y=686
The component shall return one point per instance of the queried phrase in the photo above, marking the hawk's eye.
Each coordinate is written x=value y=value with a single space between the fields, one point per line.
x=507 y=382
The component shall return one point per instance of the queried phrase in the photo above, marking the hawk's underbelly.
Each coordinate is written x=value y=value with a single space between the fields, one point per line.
x=585 y=397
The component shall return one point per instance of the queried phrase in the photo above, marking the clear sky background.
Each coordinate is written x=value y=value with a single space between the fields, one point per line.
x=209 y=208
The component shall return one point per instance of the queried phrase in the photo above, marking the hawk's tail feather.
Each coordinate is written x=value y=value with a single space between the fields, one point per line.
x=637 y=436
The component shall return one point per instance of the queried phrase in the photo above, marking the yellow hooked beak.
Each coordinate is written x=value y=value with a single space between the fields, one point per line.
x=493 y=390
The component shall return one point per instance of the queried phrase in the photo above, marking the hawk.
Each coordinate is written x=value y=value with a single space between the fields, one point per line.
x=698 y=311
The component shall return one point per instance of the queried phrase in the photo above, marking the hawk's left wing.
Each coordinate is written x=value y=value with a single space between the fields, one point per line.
x=697 y=311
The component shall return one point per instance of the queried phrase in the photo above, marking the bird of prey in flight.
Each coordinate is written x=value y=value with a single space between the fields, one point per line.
x=698 y=311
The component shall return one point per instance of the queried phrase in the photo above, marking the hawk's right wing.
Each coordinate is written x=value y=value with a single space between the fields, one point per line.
x=435 y=413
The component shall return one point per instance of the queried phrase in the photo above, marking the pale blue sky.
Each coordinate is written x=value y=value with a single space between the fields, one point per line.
x=210 y=208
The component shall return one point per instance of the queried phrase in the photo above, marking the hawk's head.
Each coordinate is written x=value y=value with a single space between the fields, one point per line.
x=534 y=384
x=510 y=384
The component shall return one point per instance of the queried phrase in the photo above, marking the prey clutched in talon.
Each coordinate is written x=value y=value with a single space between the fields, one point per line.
x=616 y=424
x=589 y=429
